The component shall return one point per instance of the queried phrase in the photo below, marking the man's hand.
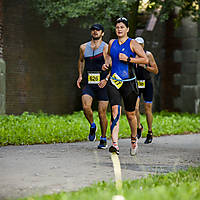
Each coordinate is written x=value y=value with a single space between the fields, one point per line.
x=79 y=81
x=105 y=67
x=102 y=83
x=123 y=57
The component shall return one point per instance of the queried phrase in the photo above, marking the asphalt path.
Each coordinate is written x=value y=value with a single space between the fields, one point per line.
x=49 y=168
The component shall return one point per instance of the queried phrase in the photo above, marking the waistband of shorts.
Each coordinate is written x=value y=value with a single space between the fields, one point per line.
x=124 y=80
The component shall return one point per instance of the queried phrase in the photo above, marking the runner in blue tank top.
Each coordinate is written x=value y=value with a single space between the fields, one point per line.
x=93 y=81
x=122 y=84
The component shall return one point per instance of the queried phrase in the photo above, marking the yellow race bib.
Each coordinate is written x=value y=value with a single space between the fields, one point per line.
x=116 y=81
x=141 y=83
x=93 y=77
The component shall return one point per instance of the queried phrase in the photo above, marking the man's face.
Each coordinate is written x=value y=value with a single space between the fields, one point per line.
x=96 y=34
x=121 y=29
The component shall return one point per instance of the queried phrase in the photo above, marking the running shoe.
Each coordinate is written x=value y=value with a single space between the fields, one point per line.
x=92 y=135
x=139 y=132
x=103 y=143
x=149 y=138
x=134 y=146
x=113 y=149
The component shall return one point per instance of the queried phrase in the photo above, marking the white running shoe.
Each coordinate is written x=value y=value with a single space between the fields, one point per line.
x=134 y=146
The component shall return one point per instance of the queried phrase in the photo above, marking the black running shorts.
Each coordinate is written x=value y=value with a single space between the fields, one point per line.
x=128 y=92
x=147 y=92
x=93 y=90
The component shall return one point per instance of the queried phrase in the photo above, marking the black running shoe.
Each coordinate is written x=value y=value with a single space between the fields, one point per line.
x=139 y=132
x=92 y=135
x=149 y=138
x=112 y=149
x=102 y=144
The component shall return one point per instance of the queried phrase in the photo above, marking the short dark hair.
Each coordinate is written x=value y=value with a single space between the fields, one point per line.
x=123 y=20
x=97 y=27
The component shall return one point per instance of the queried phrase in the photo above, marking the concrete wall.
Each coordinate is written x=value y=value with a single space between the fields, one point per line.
x=41 y=62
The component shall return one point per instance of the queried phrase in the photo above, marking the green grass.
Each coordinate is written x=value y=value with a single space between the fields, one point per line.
x=42 y=128
x=182 y=185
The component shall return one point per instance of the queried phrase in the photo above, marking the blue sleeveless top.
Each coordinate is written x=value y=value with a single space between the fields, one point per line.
x=121 y=68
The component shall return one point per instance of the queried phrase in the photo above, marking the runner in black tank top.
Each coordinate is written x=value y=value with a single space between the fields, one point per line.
x=93 y=81
x=146 y=89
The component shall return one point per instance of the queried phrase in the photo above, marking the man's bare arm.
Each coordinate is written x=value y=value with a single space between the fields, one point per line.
x=108 y=60
x=152 y=67
x=141 y=57
x=81 y=64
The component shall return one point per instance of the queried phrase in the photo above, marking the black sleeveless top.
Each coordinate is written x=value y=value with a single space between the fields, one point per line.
x=141 y=73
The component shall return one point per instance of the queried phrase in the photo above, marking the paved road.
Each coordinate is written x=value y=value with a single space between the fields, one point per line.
x=42 y=169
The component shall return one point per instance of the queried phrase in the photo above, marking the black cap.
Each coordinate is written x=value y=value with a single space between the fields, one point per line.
x=97 y=27
x=123 y=20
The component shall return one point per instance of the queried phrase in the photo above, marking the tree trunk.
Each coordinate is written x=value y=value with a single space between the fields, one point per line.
x=133 y=18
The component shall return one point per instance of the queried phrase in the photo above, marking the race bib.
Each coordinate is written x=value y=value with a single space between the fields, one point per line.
x=115 y=80
x=93 y=77
x=141 y=83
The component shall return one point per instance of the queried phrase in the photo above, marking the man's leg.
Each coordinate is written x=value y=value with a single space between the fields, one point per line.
x=130 y=104
x=102 y=109
x=87 y=108
x=137 y=112
x=132 y=120
x=149 y=118
x=114 y=128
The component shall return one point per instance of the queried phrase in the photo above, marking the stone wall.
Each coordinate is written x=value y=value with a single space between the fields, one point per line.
x=41 y=62
x=177 y=52
x=189 y=77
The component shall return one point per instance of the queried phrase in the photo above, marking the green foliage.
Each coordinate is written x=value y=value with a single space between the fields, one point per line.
x=105 y=11
x=42 y=128
x=184 y=8
x=101 y=11
x=183 y=185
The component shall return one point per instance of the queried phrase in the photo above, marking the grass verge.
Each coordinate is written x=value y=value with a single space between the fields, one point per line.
x=42 y=128
x=181 y=185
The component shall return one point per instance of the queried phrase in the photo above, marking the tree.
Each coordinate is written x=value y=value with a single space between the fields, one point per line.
x=106 y=11
x=182 y=8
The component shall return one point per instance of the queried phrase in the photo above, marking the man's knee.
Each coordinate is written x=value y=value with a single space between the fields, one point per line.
x=148 y=107
x=102 y=114
x=131 y=115
x=137 y=109
x=86 y=107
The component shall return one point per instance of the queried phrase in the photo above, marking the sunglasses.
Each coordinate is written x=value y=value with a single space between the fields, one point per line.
x=122 y=19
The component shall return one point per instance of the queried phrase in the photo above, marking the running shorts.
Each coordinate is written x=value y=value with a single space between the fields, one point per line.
x=100 y=94
x=147 y=92
x=128 y=92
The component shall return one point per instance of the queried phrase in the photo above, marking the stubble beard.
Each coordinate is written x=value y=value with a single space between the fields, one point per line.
x=96 y=38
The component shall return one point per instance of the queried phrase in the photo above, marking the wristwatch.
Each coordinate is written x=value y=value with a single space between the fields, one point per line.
x=128 y=59
x=106 y=79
